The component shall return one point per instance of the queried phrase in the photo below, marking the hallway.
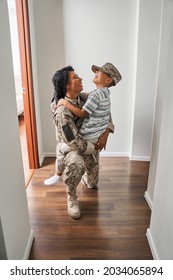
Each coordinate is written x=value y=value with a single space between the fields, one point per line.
x=114 y=218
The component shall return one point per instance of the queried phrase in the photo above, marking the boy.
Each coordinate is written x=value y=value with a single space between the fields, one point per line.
x=96 y=110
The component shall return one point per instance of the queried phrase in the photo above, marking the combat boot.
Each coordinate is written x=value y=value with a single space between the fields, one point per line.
x=73 y=206
x=85 y=183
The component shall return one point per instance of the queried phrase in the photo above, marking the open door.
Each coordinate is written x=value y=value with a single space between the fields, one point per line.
x=27 y=81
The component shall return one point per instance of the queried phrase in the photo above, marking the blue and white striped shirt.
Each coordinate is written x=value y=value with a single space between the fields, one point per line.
x=98 y=108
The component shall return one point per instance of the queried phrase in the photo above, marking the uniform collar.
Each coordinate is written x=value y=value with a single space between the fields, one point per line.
x=73 y=101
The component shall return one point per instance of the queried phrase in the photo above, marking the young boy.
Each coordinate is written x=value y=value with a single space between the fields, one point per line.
x=96 y=112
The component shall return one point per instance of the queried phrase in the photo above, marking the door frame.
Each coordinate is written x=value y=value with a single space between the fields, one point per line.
x=27 y=81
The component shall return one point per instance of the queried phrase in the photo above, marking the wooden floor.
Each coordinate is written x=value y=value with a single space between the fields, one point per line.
x=114 y=218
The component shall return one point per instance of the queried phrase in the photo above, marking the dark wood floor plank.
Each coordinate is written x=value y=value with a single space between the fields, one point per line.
x=114 y=218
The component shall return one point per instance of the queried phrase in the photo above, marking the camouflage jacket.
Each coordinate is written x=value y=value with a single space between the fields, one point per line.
x=67 y=126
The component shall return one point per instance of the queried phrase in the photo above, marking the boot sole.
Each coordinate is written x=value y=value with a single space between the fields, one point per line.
x=74 y=216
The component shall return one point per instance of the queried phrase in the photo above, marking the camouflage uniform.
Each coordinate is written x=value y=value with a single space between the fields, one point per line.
x=66 y=127
x=76 y=162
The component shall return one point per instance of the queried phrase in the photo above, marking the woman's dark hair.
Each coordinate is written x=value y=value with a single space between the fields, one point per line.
x=60 y=80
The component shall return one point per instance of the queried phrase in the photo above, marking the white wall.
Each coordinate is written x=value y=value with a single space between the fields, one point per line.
x=164 y=59
x=119 y=31
x=14 y=35
x=101 y=31
x=82 y=33
x=15 y=46
x=146 y=77
x=13 y=201
x=160 y=191
x=3 y=253
x=47 y=45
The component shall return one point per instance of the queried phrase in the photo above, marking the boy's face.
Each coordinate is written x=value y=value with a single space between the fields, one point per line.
x=102 y=79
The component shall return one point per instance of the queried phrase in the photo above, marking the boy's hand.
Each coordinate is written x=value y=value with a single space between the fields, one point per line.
x=102 y=141
x=62 y=101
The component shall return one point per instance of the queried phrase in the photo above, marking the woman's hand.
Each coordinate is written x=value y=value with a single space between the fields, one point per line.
x=102 y=141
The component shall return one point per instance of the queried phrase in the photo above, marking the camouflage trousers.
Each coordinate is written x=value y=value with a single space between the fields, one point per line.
x=78 y=165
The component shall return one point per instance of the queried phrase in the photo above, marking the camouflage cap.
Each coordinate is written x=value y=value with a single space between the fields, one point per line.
x=109 y=69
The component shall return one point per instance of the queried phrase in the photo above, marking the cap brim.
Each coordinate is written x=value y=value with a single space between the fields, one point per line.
x=95 y=68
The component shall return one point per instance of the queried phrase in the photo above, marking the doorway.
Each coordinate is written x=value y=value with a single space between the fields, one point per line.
x=19 y=29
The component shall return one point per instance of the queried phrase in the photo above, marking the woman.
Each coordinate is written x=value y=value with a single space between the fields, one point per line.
x=79 y=160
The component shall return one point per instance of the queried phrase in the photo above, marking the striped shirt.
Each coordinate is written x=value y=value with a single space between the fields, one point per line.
x=98 y=108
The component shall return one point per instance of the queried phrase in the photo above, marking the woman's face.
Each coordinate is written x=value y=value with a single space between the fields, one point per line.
x=74 y=85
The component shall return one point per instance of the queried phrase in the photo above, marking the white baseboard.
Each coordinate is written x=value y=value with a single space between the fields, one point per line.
x=46 y=155
x=41 y=160
x=103 y=154
x=140 y=158
x=28 y=247
x=53 y=154
x=113 y=154
x=148 y=199
x=152 y=245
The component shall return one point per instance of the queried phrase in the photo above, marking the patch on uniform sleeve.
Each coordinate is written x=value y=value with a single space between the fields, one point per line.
x=68 y=132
